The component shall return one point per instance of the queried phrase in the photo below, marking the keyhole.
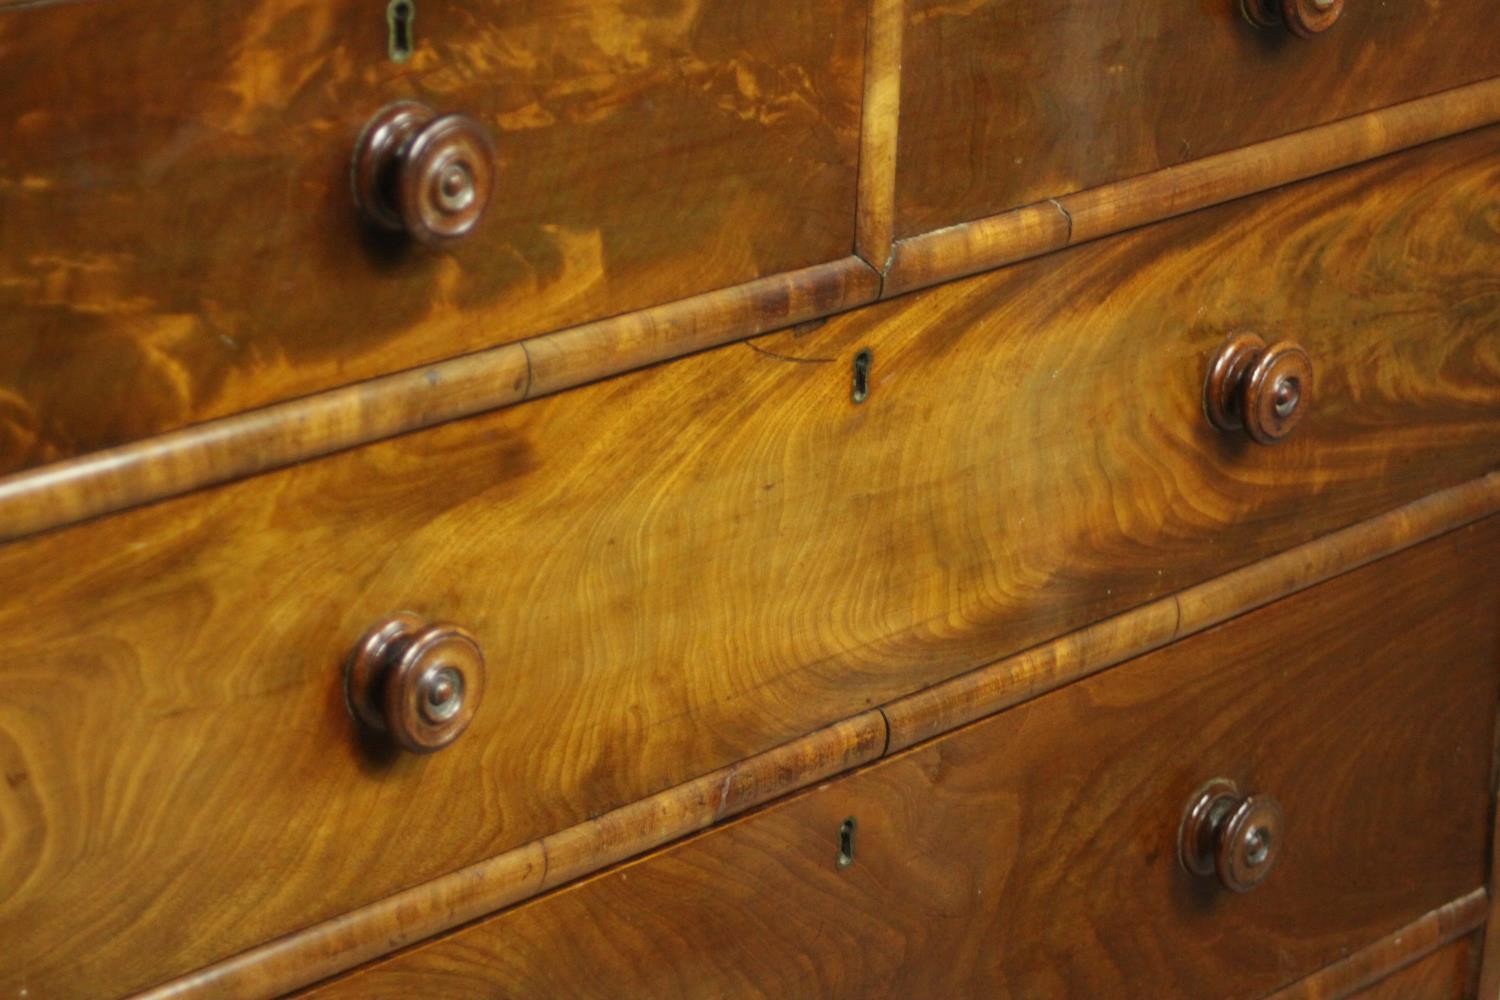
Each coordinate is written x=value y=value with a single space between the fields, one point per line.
x=846 y=843
x=861 y=390
x=399 y=14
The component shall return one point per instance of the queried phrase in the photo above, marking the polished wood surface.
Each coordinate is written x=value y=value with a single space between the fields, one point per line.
x=456 y=898
x=275 y=436
x=182 y=242
x=969 y=248
x=632 y=574
x=875 y=226
x=1444 y=975
x=278 y=435
x=1009 y=102
x=1430 y=958
x=1034 y=854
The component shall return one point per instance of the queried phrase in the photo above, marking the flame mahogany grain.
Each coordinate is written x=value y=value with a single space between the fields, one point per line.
x=180 y=238
x=1034 y=853
x=693 y=564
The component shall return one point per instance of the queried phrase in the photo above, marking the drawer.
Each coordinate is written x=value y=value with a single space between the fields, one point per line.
x=1009 y=102
x=1035 y=853
x=175 y=203
x=678 y=568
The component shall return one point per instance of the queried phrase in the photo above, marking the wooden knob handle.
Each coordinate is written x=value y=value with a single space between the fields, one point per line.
x=419 y=683
x=1236 y=838
x=1303 y=18
x=1263 y=390
x=426 y=175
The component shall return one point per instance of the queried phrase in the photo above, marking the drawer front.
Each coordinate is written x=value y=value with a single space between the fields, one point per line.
x=676 y=569
x=176 y=208
x=1009 y=102
x=1035 y=853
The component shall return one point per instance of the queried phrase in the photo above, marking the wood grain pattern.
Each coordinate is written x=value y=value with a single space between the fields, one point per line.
x=1443 y=975
x=181 y=240
x=222 y=450
x=629 y=578
x=1050 y=225
x=1033 y=854
x=274 y=436
x=438 y=905
x=424 y=910
x=1009 y=102
x=1431 y=957
x=874 y=228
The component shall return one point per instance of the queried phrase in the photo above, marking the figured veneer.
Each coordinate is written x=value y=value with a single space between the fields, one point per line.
x=180 y=238
x=1034 y=853
x=689 y=566
x=275 y=436
x=428 y=909
x=1006 y=103
x=932 y=257
x=225 y=449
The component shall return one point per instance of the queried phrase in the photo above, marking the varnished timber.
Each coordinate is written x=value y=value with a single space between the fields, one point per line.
x=1446 y=974
x=1428 y=959
x=181 y=241
x=666 y=602
x=1033 y=855
x=407 y=917
x=946 y=706
x=427 y=909
x=878 y=127
x=221 y=450
x=1006 y=103
x=275 y=436
x=1049 y=225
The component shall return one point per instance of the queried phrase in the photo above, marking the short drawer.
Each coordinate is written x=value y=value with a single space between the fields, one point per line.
x=1036 y=853
x=673 y=570
x=1010 y=102
x=180 y=239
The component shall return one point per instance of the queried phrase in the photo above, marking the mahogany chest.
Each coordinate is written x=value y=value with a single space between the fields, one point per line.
x=814 y=498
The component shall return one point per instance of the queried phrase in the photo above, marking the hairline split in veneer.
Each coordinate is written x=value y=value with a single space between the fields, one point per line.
x=272 y=437
x=324 y=950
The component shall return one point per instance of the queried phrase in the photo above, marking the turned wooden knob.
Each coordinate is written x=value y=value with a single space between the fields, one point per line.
x=1263 y=390
x=1237 y=838
x=1303 y=18
x=426 y=175
x=419 y=683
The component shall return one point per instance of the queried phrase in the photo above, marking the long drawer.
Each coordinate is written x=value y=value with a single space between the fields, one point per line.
x=676 y=569
x=1036 y=853
x=1010 y=102
x=180 y=240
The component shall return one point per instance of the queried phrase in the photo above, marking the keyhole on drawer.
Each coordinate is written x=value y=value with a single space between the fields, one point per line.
x=846 y=843
x=399 y=14
x=861 y=390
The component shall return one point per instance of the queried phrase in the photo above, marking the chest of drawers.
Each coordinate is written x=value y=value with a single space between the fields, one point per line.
x=697 y=499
